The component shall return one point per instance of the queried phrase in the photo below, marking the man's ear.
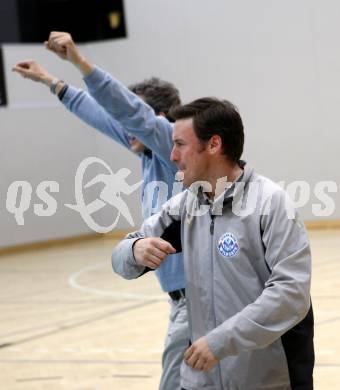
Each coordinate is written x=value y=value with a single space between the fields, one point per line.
x=215 y=144
x=162 y=114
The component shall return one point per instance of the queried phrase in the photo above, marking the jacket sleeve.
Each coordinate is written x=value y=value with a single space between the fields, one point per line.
x=123 y=260
x=86 y=108
x=285 y=299
x=134 y=115
x=165 y=224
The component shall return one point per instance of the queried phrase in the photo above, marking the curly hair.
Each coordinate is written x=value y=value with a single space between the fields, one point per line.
x=161 y=95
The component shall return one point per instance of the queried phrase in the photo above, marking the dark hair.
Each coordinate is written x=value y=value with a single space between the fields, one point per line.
x=161 y=95
x=212 y=116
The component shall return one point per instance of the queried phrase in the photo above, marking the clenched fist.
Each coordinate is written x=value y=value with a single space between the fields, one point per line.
x=151 y=251
x=199 y=356
x=31 y=69
x=62 y=44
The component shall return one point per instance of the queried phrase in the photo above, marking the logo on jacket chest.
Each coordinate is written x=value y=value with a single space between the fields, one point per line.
x=228 y=245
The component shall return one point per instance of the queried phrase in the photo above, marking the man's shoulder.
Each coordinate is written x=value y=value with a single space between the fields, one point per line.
x=269 y=187
x=176 y=204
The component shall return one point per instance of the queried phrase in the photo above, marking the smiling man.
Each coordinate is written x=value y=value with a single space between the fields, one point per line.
x=248 y=273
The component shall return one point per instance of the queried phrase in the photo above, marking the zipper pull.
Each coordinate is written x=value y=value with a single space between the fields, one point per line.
x=212 y=225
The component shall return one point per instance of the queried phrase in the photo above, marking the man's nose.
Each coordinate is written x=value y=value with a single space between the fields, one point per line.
x=173 y=155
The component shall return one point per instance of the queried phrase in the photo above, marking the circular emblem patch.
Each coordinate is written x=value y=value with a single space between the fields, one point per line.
x=228 y=245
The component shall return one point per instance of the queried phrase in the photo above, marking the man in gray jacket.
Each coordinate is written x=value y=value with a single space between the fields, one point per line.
x=247 y=260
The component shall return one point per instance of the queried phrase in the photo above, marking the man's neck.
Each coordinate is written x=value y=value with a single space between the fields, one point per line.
x=229 y=173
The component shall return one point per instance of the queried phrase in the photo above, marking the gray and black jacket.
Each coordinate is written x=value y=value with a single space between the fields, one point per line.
x=248 y=272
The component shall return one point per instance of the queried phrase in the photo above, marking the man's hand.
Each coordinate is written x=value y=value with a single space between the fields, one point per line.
x=199 y=356
x=62 y=44
x=30 y=69
x=151 y=251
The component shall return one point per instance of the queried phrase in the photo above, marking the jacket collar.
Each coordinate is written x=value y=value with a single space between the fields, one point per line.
x=234 y=191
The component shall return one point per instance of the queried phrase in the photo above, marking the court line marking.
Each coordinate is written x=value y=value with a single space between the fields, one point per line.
x=93 y=351
x=87 y=321
x=51 y=378
x=78 y=310
x=73 y=282
x=90 y=308
x=110 y=362
x=131 y=376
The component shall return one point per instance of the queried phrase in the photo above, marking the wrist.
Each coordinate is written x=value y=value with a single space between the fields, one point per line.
x=60 y=85
x=56 y=85
x=84 y=66
x=135 y=257
x=48 y=80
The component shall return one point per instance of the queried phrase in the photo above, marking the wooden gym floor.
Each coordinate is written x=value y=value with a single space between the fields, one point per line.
x=68 y=322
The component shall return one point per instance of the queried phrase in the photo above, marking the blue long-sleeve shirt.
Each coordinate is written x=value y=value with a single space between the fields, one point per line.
x=114 y=110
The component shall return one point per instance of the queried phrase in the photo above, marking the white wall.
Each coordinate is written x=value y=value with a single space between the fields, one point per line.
x=278 y=61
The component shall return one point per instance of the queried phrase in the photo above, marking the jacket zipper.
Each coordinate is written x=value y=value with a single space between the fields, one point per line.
x=211 y=228
x=212 y=224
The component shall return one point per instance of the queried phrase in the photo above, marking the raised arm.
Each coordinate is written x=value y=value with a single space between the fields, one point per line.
x=75 y=100
x=86 y=108
x=134 y=115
